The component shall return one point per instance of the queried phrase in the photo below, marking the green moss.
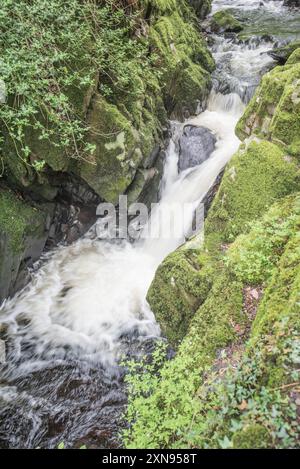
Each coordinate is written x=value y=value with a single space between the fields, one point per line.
x=253 y=256
x=179 y=287
x=294 y=58
x=213 y=326
x=251 y=437
x=18 y=220
x=111 y=168
x=223 y=21
x=204 y=399
x=184 y=59
x=162 y=6
x=273 y=112
x=254 y=179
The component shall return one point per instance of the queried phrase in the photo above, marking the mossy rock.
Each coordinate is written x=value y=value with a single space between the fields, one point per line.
x=277 y=318
x=253 y=436
x=255 y=178
x=111 y=168
x=294 y=58
x=179 y=287
x=225 y=22
x=185 y=61
x=22 y=235
x=200 y=402
x=274 y=111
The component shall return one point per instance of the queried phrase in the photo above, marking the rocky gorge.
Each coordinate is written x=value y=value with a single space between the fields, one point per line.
x=229 y=306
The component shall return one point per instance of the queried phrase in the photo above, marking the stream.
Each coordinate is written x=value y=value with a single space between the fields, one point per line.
x=86 y=307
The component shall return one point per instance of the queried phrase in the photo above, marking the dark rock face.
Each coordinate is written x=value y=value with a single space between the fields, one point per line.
x=292 y=3
x=281 y=54
x=195 y=145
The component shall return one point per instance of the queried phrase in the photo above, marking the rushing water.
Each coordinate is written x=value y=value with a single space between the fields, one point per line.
x=86 y=305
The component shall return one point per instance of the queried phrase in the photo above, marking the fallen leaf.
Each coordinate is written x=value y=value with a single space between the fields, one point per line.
x=243 y=405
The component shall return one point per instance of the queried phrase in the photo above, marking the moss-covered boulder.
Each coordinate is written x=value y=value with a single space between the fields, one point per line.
x=180 y=285
x=225 y=22
x=111 y=168
x=23 y=234
x=185 y=61
x=294 y=58
x=274 y=111
x=256 y=176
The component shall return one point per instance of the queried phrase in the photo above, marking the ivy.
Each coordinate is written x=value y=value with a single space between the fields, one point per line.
x=49 y=48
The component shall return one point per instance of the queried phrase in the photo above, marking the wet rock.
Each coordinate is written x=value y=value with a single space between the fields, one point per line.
x=281 y=54
x=292 y=3
x=209 y=198
x=195 y=146
x=223 y=22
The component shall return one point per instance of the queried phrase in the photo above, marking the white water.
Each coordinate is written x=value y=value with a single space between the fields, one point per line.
x=87 y=295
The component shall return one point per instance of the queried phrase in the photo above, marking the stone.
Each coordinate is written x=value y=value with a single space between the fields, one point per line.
x=224 y=22
x=195 y=146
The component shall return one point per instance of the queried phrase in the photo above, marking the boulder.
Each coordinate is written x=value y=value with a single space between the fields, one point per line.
x=195 y=145
x=274 y=111
x=292 y=3
x=224 y=22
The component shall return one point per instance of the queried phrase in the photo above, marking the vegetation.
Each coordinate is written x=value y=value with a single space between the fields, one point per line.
x=18 y=220
x=254 y=179
x=234 y=382
x=89 y=86
x=51 y=51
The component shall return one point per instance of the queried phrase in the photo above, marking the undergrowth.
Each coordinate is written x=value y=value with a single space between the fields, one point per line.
x=51 y=50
